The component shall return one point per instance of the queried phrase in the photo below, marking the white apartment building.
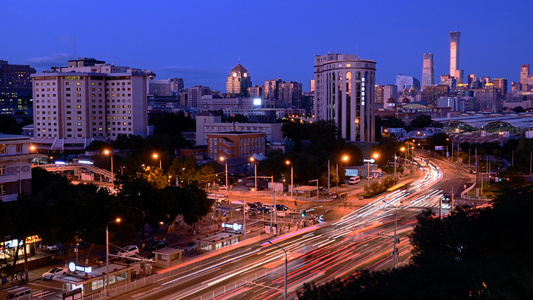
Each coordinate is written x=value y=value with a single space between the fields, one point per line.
x=15 y=166
x=345 y=94
x=75 y=105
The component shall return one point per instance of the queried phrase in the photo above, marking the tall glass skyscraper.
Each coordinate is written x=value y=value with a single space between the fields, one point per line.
x=428 y=70
x=454 y=52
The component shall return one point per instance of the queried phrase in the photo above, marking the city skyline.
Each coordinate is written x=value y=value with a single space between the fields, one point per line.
x=202 y=41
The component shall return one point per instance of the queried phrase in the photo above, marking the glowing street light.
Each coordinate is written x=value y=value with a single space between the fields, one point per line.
x=252 y=159
x=117 y=220
x=288 y=162
x=156 y=156
x=222 y=158
x=110 y=153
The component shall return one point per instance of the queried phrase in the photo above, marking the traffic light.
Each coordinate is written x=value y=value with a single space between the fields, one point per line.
x=303 y=213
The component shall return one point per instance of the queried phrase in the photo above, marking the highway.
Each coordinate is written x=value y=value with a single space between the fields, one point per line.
x=362 y=239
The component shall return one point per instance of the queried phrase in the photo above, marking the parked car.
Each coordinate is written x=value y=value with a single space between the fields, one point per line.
x=130 y=250
x=50 y=248
x=354 y=180
x=253 y=212
x=258 y=204
x=264 y=210
x=251 y=205
x=157 y=245
x=281 y=207
x=54 y=272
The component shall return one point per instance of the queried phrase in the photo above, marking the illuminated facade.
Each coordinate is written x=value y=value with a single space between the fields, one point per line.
x=15 y=88
x=454 y=56
x=345 y=94
x=239 y=81
x=75 y=105
x=428 y=70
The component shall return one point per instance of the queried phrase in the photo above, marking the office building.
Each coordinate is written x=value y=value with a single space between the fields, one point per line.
x=428 y=70
x=176 y=86
x=431 y=93
x=286 y=93
x=390 y=91
x=239 y=81
x=501 y=85
x=76 y=105
x=380 y=99
x=256 y=91
x=194 y=95
x=454 y=52
x=235 y=144
x=15 y=88
x=345 y=94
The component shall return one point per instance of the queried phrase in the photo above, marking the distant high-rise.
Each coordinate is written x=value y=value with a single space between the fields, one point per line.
x=15 y=88
x=345 y=94
x=239 y=81
x=428 y=70
x=501 y=84
x=524 y=73
x=454 y=52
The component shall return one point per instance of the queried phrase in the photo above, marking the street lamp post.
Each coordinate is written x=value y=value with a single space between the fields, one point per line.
x=395 y=158
x=110 y=153
x=252 y=159
x=292 y=176
x=222 y=158
x=156 y=156
x=117 y=220
x=344 y=158
x=285 y=295
x=395 y=242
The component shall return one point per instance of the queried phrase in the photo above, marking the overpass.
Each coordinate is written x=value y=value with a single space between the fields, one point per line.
x=81 y=173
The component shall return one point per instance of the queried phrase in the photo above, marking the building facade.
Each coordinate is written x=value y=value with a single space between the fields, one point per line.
x=235 y=144
x=15 y=166
x=428 y=70
x=501 y=84
x=345 y=94
x=75 y=105
x=15 y=88
x=239 y=81
x=455 y=37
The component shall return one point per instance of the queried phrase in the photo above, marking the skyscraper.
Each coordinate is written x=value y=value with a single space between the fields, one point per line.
x=15 y=88
x=345 y=93
x=428 y=70
x=454 y=52
x=239 y=81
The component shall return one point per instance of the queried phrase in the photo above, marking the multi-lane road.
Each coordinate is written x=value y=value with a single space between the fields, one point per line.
x=363 y=238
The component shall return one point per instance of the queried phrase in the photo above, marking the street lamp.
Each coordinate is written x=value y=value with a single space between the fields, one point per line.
x=401 y=149
x=110 y=153
x=285 y=265
x=222 y=158
x=288 y=162
x=156 y=156
x=394 y=248
x=252 y=159
x=345 y=159
x=117 y=220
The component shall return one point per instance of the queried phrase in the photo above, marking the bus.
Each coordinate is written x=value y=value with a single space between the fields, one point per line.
x=218 y=198
x=399 y=186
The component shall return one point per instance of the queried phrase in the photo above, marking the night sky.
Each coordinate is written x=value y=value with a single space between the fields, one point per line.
x=202 y=40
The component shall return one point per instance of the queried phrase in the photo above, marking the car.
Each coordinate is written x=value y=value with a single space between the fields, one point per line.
x=258 y=204
x=281 y=207
x=50 y=248
x=354 y=180
x=128 y=251
x=57 y=271
x=158 y=245
x=223 y=188
x=264 y=210
x=253 y=212
x=251 y=205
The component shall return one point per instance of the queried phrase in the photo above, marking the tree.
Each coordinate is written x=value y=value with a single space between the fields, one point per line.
x=421 y=121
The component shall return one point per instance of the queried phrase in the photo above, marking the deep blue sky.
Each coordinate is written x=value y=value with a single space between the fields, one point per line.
x=202 y=40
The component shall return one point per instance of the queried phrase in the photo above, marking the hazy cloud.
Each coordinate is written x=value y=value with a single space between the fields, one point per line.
x=60 y=59
x=190 y=72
